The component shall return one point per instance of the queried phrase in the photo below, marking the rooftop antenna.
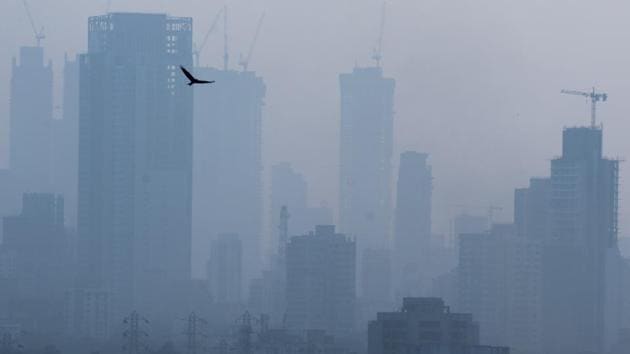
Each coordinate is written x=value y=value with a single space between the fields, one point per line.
x=377 y=54
x=226 y=56
x=594 y=96
x=39 y=35
x=244 y=62
x=197 y=51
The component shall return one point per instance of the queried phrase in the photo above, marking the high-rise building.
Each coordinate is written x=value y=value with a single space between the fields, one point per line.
x=40 y=256
x=412 y=240
x=135 y=163
x=228 y=167
x=426 y=325
x=531 y=208
x=65 y=143
x=224 y=272
x=582 y=236
x=366 y=134
x=31 y=118
x=321 y=277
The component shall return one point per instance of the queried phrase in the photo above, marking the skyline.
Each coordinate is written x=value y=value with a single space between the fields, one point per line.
x=534 y=63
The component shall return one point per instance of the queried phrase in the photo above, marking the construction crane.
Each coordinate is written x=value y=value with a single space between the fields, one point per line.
x=377 y=54
x=244 y=62
x=594 y=96
x=197 y=51
x=226 y=56
x=39 y=35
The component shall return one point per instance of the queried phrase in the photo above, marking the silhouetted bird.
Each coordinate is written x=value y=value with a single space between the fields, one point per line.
x=192 y=79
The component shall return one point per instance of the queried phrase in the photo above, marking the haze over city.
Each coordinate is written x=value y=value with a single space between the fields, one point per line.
x=409 y=155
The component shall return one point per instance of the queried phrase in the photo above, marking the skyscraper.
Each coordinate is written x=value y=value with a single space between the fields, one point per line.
x=412 y=242
x=65 y=141
x=228 y=167
x=583 y=234
x=366 y=133
x=135 y=162
x=31 y=119
x=321 y=276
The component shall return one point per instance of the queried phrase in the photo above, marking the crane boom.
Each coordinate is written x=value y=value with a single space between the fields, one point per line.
x=594 y=96
x=215 y=21
x=245 y=62
x=378 y=51
x=39 y=35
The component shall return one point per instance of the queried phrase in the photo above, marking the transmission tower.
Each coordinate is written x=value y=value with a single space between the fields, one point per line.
x=194 y=329
x=134 y=334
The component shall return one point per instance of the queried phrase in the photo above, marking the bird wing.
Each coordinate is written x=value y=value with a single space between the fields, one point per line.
x=204 y=82
x=188 y=74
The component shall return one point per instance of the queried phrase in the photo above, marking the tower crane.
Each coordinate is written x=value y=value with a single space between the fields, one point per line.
x=197 y=51
x=377 y=54
x=244 y=62
x=594 y=96
x=39 y=35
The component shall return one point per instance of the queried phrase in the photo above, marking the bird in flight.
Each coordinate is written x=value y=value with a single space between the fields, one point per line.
x=192 y=79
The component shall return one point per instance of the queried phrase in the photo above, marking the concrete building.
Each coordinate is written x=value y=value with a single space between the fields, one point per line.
x=531 y=209
x=224 y=272
x=321 y=277
x=65 y=143
x=582 y=237
x=412 y=237
x=499 y=281
x=366 y=133
x=39 y=263
x=87 y=314
x=426 y=325
x=31 y=114
x=135 y=163
x=228 y=169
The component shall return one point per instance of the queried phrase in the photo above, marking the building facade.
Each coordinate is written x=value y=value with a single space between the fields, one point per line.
x=135 y=162
x=366 y=134
x=321 y=281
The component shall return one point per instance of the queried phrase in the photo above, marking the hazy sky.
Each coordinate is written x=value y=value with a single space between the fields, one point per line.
x=478 y=81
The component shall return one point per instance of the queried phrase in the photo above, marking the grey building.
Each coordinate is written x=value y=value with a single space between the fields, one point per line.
x=366 y=133
x=135 y=163
x=582 y=237
x=321 y=277
x=499 y=281
x=426 y=326
x=31 y=114
x=228 y=168
x=531 y=208
x=412 y=236
x=38 y=264
x=65 y=142
x=224 y=272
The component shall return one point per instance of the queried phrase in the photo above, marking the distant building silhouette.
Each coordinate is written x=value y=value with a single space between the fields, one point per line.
x=366 y=135
x=531 y=208
x=321 y=276
x=499 y=281
x=289 y=188
x=31 y=115
x=65 y=143
x=412 y=236
x=228 y=167
x=581 y=245
x=225 y=275
x=426 y=325
x=40 y=258
x=135 y=163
